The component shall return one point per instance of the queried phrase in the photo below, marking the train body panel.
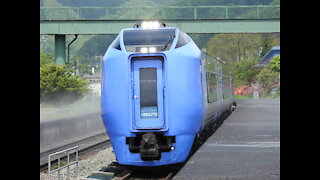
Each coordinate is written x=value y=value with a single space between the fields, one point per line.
x=155 y=103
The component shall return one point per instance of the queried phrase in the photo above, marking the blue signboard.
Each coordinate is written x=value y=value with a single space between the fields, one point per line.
x=149 y=112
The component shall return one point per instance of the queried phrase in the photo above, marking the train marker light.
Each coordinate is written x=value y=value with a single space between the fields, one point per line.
x=150 y=25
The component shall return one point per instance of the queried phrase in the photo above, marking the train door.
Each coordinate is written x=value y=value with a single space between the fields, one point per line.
x=148 y=94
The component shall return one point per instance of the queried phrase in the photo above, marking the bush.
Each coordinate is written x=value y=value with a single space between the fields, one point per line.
x=59 y=86
x=45 y=58
x=245 y=72
x=270 y=75
x=275 y=63
x=267 y=77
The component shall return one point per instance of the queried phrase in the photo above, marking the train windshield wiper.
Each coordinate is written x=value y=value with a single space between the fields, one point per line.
x=170 y=39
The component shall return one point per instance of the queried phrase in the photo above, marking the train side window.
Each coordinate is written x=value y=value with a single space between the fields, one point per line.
x=212 y=94
x=226 y=87
x=182 y=40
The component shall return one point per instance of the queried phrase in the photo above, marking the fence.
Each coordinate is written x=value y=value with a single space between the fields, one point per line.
x=160 y=12
x=65 y=166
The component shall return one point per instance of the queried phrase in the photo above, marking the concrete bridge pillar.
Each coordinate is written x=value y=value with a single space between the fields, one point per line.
x=60 y=49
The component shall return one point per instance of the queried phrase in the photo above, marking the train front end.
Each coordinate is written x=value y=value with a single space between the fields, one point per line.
x=151 y=95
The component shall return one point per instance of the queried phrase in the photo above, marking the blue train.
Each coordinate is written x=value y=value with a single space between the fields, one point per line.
x=159 y=92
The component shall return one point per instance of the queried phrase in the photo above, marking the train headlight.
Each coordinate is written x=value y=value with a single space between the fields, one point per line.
x=150 y=25
x=144 y=50
x=152 y=50
x=148 y=50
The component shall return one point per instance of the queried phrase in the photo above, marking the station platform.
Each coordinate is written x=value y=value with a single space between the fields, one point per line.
x=245 y=146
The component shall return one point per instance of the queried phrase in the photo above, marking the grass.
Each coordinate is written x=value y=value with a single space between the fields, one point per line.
x=62 y=163
x=277 y=95
x=241 y=97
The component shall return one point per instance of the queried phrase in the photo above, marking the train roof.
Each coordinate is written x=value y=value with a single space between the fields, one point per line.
x=151 y=39
x=142 y=29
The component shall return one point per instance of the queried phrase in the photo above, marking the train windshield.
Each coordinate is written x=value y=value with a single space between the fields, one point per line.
x=148 y=41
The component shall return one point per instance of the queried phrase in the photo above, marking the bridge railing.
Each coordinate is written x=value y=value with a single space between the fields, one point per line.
x=161 y=13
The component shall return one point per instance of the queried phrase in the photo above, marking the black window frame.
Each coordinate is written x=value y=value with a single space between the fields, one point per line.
x=211 y=81
x=116 y=43
x=182 y=40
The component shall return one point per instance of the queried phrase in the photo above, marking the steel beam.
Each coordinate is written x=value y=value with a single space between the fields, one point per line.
x=83 y=27
x=60 y=48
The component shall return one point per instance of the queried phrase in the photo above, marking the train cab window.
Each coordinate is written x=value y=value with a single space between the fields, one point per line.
x=148 y=92
x=148 y=41
x=116 y=43
x=182 y=40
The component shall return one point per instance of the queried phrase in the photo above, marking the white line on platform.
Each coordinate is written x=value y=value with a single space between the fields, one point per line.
x=248 y=144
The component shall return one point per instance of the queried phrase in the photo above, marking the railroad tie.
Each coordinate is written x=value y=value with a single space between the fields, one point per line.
x=85 y=178
x=103 y=173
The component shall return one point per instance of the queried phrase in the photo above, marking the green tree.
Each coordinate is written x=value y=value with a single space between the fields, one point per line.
x=45 y=58
x=201 y=39
x=135 y=11
x=233 y=47
x=267 y=41
x=96 y=46
x=245 y=72
x=275 y=63
x=269 y=75
x=59 y=86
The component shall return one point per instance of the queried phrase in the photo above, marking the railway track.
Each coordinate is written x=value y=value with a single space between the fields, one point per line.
x=114 y=171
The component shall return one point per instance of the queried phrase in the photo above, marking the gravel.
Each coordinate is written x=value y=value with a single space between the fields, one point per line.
x=87 y=164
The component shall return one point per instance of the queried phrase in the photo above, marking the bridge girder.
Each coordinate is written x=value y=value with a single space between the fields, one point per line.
x=94 y=27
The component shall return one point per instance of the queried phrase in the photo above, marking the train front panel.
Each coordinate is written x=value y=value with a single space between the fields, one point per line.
x=152 y=103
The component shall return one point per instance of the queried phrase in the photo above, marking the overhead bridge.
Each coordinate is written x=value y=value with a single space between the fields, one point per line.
x=190 y=19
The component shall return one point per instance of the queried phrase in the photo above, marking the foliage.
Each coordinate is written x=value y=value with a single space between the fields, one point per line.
x=201 y=39
x=245 y=71
x=242 y=52
x=241 y=96
x=57 y=85
x=95 y=46
x=275 y=2
x=269 y=75
x=45 y=58
x=275 y=63
x=132 y=13
x=235 y=47
x=267 y=41
x=62 y=163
